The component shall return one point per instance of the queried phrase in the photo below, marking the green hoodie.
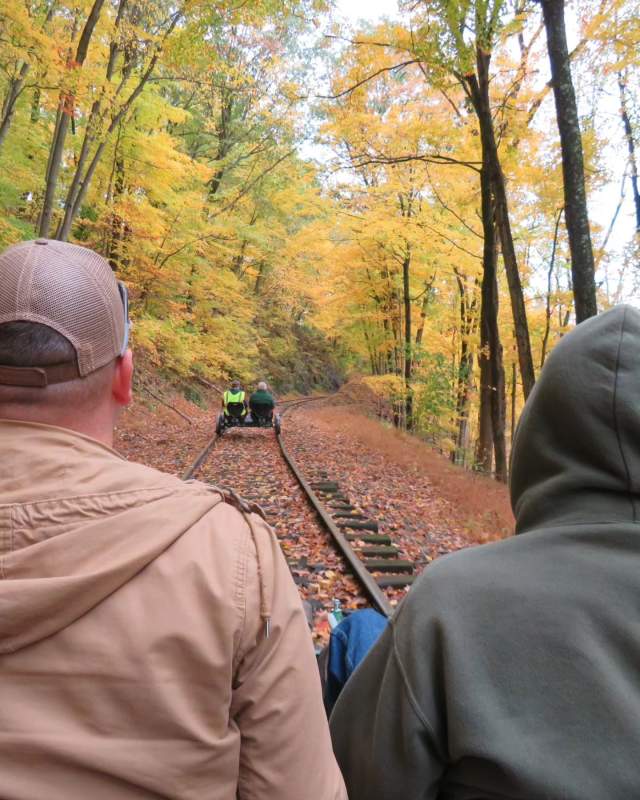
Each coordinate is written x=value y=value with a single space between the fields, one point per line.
x=262 y=398
x=512 y=670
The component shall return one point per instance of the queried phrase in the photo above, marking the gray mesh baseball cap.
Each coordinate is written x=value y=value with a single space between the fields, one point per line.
x=72 y=290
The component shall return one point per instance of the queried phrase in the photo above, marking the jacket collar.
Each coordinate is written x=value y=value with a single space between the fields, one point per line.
x=43 y=461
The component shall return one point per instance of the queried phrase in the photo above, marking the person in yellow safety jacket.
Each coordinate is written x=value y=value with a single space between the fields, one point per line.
x=234 y=395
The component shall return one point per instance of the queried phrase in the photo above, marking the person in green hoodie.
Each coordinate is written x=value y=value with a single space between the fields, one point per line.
x=261 y=403
x=512 y=670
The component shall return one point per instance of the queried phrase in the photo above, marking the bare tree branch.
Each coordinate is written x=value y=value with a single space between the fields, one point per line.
x=433 y=158
x=450 y=210
x=366 y=80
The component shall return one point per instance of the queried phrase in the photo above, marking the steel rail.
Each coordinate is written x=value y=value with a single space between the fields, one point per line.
x=206 y=450
x=368 y=583
x=364 y=577
x=202 y=457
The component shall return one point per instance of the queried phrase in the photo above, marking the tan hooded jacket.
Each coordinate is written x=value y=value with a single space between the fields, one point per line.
x=134 y=656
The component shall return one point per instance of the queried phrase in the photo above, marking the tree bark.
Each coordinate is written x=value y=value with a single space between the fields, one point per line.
x=14 y=90
x=547 y=313
x=223 y=132
x=493 y=390
x=118 y=226
x=465 y=370
x=484 y=444
x=478 y=86
x=575 y=197
x=90 y=133
x=631 y=146
x=80 y=184
x=423 y=312
x=514 y=394
x=79 y=191
x=408 y=344
x=64 y=118
x=16 y=86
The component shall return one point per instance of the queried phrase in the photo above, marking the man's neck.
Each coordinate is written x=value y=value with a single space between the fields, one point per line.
x=96 y=427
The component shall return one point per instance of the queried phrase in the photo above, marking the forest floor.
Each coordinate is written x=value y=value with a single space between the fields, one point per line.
x=427 y=505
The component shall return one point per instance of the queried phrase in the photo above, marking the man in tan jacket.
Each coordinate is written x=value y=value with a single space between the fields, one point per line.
x=152 y=643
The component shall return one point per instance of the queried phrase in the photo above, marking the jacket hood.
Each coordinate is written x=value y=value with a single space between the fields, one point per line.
x=576 y=454
x=65 y=547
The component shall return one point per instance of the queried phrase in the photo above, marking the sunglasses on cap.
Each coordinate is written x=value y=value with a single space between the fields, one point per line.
x=124 y=296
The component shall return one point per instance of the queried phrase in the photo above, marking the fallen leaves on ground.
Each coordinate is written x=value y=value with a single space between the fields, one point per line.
x=395 y=493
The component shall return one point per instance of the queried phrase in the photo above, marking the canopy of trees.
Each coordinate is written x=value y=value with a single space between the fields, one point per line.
x=416 y=217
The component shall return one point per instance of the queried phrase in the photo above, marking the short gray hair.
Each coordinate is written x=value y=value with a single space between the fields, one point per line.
x=31 y=344
x=262 y=386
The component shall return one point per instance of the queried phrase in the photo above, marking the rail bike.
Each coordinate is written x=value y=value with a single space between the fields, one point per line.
x=236 y=416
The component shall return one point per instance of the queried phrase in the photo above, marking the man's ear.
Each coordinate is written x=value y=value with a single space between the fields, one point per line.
x=121 y=387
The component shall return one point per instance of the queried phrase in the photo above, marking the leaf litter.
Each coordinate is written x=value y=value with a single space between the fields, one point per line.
x=404 y=502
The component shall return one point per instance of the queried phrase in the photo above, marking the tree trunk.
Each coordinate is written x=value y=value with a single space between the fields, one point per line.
x=80 y=187
x=11 y=98
x=423 y=311
x=238 y=260
x=463 y=407
x=479 y=92
x=552 y=261
x=80 y=184
x=260 y=277
x=575 y=198
x=118 y=227
x=494 y=392
x=370 y=350
x=64 y=118
x=631 y=146
x=223 y=132
x=464 y=376
x=35 y=105
x=76 y=182
x=16 y=85
x=514 y=394
x=484 y=445
x=408 y=344
x=53 y=171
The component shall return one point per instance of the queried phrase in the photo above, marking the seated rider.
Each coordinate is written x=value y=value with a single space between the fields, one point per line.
x=234 y=403
x=262 y=403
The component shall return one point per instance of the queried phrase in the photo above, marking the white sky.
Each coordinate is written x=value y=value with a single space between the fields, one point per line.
x=370 y=10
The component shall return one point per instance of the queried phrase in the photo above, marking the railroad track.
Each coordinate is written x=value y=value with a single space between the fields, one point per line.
x=372 y=559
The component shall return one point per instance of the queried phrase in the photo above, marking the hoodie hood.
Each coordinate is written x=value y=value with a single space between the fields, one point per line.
x=576 y=454
x=65 y=546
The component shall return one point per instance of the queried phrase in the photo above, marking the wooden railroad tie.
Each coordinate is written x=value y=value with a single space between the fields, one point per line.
x=387 y=565
x=394 y=581
x=383 y=551
x=378 y=555
x=329 y=487
x=369 y=538
x=359 y=525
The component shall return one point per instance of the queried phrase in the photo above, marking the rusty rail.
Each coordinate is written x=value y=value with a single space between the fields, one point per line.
x=358 y=568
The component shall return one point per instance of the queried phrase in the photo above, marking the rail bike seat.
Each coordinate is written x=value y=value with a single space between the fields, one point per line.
x=235 y=412
x=262 y=415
